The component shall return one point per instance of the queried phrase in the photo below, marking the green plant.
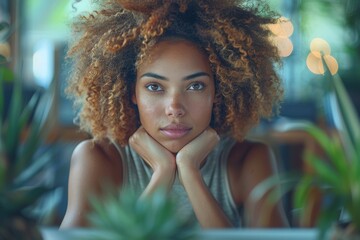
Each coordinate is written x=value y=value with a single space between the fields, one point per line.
x=22 y=130
x=335 y=173
x=125 y=216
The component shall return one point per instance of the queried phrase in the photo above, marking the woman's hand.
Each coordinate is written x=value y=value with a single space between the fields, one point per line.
x=189 y=160
x=192 y=155
x=159 y=158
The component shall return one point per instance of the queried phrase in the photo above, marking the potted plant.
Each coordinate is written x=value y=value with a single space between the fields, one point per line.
x=22 y=128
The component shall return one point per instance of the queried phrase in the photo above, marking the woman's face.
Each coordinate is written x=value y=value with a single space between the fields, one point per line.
x=174 y=93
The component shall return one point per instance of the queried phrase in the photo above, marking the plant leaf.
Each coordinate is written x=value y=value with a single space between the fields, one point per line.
x=5 y=74
x=128 y=217
x=3 y=168
x=2 y=106
x=321 y=137
x=339 y=159
x=351 y=133
x=302 y=192
x=324 y=172
x=36 y=132
x=34 y=169
x=348 y=111
x=333 y=149
x=329 y=215
x=12 y=132
x=21 y=124
x=3 y=26
x=15 y=201
x=3 y=159
x=7 y=28
x=286 y=181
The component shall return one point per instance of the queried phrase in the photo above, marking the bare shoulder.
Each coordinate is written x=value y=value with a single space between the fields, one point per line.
x=249 y=163
x=97 y=159
x=89 y=150
x=247 y=151
x=93 y=166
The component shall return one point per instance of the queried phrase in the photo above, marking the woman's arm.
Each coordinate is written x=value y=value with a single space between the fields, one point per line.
x=91 y=167
x=160 y=160
x=189 y=160
x=246 y=173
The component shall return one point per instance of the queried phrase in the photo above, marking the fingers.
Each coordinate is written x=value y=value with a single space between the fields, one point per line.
x=135 y=139
x=206 y=141
x=196 y=151
x=208 y=138
x=151 y=151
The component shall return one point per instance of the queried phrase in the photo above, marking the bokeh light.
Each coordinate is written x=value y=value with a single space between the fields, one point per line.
x=284 y=45
x=331 y=64
x=313 y=63
x=319 y=47
x=283 y=27
x=282 y=30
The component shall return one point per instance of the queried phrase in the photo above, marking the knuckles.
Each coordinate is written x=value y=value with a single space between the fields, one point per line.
x=211 y=136
x=137 y=137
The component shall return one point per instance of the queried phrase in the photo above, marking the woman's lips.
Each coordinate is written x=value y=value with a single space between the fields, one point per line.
x=175 y=130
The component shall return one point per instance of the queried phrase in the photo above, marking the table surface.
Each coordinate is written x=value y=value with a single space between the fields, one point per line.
x=238 y=234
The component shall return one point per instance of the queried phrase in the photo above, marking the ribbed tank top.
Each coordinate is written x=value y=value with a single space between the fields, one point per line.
x=137 y=175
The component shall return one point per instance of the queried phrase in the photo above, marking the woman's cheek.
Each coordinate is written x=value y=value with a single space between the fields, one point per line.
x=148 y=109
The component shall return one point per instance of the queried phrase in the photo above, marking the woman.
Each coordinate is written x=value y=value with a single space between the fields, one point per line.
x=168 y=90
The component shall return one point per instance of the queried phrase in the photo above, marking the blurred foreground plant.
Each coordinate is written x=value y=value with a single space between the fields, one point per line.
x=22 y=130
x=335 y=173
x=125 y=216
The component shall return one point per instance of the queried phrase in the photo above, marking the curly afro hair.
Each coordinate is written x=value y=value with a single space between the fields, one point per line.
x=108 y=44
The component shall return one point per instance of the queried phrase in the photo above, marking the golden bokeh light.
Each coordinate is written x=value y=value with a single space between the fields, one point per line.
x=282 y=30
x=284 y=45
x=331 y=64
x=319 y=46
x=314 y=62
x=283 y=27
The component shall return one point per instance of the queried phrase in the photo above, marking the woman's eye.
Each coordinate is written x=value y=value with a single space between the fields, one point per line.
x=196 y=86
x=153 y=87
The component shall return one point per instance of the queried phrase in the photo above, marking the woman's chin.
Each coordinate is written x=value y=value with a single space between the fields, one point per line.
x=173 y=148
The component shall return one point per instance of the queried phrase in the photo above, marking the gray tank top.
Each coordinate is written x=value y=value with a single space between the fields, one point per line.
x=137 y=175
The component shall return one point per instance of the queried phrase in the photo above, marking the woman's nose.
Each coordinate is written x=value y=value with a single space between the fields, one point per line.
x=175 y=107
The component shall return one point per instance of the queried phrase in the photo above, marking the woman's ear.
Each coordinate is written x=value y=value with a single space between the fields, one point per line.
x=133 y=99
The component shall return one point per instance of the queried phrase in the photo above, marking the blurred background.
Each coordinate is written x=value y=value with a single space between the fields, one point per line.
x=38 y=43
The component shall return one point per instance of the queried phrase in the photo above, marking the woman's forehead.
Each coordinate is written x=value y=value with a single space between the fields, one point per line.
x=177 y=51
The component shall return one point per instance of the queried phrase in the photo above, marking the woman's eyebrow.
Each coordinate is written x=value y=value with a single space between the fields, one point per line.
x=195 y=75
x=189 y=77
x=153 y=75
